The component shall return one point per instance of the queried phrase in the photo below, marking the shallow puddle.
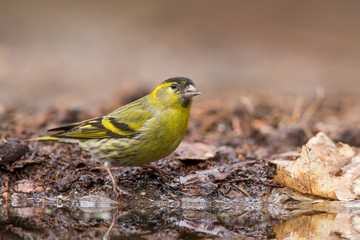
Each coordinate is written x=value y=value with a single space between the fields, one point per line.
x=97 y=217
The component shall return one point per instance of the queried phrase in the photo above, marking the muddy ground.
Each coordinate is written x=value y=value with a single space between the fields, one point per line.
x=224 y=159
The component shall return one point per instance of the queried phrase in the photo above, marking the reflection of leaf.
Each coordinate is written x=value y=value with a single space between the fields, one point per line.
x=346 y=226
x=307 y=175
x=306 y=227
x=343 y=225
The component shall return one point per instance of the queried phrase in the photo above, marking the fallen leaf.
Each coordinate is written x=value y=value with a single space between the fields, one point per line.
x=195 y=151
x=234 y=195
x=307 y=175
x=11 y=150
x=203 y=182
x=347 y=185
x=323 y=169
x=333 y=156
x=208 y=175
x=27 y=186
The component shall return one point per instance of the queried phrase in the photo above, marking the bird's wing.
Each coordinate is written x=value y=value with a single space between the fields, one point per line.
x=125 y=122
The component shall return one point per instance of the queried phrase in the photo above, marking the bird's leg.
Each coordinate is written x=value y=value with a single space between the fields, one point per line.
x=116 y=188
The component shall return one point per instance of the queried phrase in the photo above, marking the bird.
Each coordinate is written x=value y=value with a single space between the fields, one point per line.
x=136 y=134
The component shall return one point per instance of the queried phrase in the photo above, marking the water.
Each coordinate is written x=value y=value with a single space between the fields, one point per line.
x=97 y=217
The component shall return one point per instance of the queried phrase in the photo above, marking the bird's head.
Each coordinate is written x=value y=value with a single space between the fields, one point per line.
x=175 y=91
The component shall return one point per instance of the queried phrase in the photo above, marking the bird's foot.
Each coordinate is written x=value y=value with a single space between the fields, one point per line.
x=118 y=191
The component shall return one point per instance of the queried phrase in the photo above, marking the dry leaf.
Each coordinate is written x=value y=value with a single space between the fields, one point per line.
x=203 y=182
x=307 y=175
x=347 y=186
x=11 y=150
x=333 y=156
x=324 y=169
x=195 y=151
x=27 y=186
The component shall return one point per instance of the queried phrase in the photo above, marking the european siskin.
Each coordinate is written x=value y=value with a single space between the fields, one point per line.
x=138 y=133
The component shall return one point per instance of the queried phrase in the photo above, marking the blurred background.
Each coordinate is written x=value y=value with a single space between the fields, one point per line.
x=88 y=52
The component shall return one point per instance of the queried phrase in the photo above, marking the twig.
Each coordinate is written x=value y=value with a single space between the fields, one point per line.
x=297 y=109
x=271 y=185
x=309 y=112
x=240 y=180
x=241 y=190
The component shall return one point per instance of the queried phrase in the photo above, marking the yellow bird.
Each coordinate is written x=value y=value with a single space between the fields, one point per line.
x=138 y=133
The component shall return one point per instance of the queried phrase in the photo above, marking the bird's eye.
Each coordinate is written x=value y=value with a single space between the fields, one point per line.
x=173 y=86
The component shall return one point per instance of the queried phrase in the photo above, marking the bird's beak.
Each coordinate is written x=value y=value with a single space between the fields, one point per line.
x=190 y=91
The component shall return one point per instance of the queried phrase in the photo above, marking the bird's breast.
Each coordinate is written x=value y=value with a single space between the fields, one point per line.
x=165 y=132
